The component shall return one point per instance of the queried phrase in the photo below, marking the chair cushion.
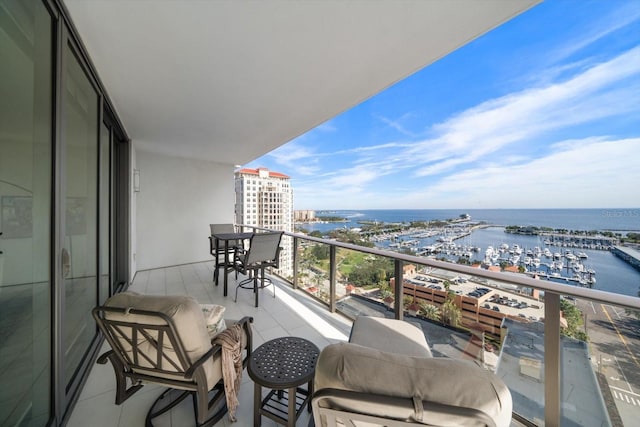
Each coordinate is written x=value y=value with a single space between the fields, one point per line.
x=187 y=317
x=348 y=366
x=213 y=316
x=390 y=335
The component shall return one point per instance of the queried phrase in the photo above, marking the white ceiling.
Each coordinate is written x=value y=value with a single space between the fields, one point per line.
x=232 y=80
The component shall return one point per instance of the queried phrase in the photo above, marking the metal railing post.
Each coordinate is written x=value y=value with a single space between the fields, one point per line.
x=296 y=259
x=552 y=354
x=332 y=278
x=397 y=305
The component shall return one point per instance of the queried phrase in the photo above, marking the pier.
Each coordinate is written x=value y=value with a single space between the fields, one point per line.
x=630 y=255
x=579 y=241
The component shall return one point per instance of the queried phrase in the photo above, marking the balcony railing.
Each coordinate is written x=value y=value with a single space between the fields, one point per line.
x=549 y=364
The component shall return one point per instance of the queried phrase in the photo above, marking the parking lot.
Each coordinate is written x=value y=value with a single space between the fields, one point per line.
x=497 y=299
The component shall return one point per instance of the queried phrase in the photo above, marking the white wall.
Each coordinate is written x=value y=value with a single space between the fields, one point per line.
x=177 y=201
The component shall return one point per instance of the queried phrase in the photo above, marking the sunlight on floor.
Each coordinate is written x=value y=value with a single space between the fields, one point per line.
x=315 y=321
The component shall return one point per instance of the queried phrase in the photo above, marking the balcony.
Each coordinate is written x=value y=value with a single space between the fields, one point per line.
x=554 y=379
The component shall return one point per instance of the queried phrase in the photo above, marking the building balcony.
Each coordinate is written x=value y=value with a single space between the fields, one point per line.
x=554 y=378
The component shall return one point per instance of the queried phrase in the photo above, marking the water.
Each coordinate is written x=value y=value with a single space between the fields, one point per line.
x=612 y=274
x=617 y=220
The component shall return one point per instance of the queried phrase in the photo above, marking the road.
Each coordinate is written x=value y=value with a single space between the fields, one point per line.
x=614 y=339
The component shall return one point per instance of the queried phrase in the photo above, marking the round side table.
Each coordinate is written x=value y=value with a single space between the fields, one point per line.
x=282 y=365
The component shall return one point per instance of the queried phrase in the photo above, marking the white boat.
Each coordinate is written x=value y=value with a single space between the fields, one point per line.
x=577 y=267
x=582 y=255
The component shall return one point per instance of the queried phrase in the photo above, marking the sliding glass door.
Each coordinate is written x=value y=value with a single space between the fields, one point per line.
x=64 y=190
x=80 y=210
x=26 y=91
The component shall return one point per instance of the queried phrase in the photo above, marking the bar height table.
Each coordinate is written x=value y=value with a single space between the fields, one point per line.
x=227 y=265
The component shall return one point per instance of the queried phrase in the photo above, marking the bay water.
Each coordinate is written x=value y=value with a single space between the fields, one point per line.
x=612 y=273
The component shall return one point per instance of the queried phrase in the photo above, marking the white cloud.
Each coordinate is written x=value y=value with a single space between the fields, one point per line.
x=397 y=124
x=622 y=16
x=494 y=124
x=296 y=157
x=579 y=173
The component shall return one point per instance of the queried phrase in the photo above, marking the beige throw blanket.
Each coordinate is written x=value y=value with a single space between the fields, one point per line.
x=231 y=342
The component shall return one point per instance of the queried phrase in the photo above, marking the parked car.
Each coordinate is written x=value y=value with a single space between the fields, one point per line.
x=496 y=308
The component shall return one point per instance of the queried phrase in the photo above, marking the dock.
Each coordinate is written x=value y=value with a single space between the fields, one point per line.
x=630 y=255
x=597 y=242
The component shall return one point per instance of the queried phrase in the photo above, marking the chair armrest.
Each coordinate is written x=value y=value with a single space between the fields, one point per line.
x=245 y=322
x=237 y=251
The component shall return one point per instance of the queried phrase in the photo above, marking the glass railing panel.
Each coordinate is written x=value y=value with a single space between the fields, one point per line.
x=285 y=269
x=600 y=363
x=363 y=284
x=498 y=319
x=313 y=269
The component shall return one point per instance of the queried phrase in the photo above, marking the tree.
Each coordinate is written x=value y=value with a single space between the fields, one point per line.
x=451 y=314
x=430 y=311
x=447 y=285
x=575 y=321
x=320 y=252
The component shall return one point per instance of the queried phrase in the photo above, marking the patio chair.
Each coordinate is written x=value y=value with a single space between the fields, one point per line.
x=164 y=340
x=220 y=257
x=385 y=376
x=263 y=252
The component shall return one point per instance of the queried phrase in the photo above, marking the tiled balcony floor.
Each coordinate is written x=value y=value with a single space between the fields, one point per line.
x=290 y=313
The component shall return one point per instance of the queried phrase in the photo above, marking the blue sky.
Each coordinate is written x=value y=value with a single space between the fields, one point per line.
x=542 y=112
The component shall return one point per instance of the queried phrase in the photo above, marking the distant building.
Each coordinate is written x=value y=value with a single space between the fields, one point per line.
x=265 y=199
x=304 y=216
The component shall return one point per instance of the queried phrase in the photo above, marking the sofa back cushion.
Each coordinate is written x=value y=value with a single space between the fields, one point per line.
x=461 y=383
x=390 y=335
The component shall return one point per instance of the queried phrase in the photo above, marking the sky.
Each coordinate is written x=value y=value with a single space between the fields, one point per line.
x=541 y=112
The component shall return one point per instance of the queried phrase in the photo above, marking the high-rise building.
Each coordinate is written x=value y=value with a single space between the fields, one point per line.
x=265 y=199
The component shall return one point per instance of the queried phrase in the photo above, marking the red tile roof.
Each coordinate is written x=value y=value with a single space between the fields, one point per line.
x=247 y=171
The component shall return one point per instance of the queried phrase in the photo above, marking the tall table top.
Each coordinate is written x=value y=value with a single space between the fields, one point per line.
x=232 y=236
x=283 y=362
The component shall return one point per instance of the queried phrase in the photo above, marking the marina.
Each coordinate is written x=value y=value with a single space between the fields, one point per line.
x=537 y=261
x=596 y=264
